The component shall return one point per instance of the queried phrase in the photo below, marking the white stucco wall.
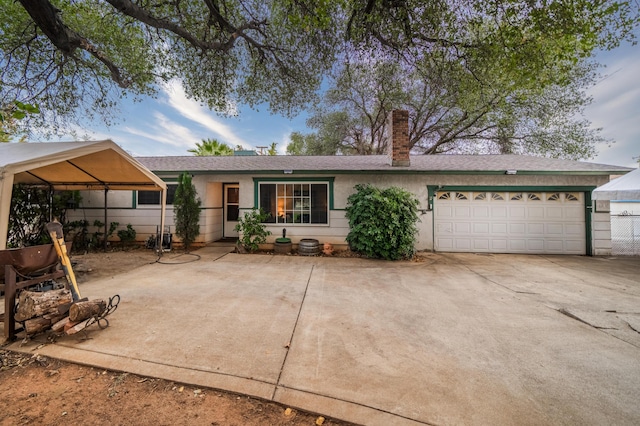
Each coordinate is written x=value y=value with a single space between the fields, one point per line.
x=601 y=234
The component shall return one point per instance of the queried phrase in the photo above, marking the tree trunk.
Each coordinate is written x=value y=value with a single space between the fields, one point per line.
x=82 y=310
x=33 y=304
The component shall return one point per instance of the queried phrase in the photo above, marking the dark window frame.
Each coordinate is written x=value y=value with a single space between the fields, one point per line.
x=295 y=202
x=153 y=198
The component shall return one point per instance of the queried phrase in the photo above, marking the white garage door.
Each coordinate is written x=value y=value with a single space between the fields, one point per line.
x=510 y=222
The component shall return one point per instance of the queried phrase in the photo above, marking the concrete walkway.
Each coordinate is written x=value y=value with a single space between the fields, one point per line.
x=454 y=339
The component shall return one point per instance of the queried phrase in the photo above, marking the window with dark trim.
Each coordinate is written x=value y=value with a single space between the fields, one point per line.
x=153 y=198
x=295 y=202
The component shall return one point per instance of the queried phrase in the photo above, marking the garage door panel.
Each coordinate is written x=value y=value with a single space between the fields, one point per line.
x=518 y=212
x=517 y=228
x=481 y=244
x=462 y=227
x=555 y=228
x=459 y=212
x=444 y=212
x=573 y=229
x=535 y=212
x=573 y=212
x=518 y=222
x=535 y=228
x=499 y=245
x=480 y=228
x=574 y=247
x=444 y=227
x=463 y=244
x=554 y=212
x=481 y=211
x=535 y=245
x=497 y=212
x=499 y=228
x=446 y=244
x=517 y=244
x=554 y=246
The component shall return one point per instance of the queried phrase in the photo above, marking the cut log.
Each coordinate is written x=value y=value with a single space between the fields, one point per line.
x=78 y=327
x=32 y=304
x=59 y=326
x=64 y=309
x=70 y=324
x=82 y=310
x=38 y=324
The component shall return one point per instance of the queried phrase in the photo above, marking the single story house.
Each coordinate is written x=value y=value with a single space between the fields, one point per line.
x=468 y=203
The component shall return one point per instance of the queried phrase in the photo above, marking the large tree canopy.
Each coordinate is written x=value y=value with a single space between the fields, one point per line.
x=450 y=111
x=75 y=58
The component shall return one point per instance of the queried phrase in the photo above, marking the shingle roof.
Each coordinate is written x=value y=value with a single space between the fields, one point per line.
x=375 y=163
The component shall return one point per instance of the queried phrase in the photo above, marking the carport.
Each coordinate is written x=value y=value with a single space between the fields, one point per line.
x=94 y=165
x=624 y=188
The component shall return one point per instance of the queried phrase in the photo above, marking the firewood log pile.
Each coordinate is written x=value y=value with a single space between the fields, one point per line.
x=55 y=310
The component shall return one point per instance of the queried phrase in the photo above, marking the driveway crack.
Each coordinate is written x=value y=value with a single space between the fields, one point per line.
x=293 y=332
x=631 y=327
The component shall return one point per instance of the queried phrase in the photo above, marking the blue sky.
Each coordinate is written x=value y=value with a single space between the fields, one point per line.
x=172 y=124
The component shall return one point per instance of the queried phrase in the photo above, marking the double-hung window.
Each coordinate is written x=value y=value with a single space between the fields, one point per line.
x=295 y=202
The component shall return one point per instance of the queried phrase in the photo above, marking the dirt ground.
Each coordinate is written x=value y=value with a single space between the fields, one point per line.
x=44 y=391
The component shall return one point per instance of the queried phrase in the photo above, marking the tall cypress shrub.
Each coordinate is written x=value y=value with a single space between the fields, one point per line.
x=186 y=209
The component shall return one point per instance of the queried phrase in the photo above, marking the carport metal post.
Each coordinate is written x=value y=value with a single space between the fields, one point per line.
x=106 y=190
x=162 y=218
x=6 y=189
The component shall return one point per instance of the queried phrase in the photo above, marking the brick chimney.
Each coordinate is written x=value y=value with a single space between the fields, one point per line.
x=398 y=136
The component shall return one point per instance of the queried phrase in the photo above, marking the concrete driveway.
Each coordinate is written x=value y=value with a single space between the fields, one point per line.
x=454 y=339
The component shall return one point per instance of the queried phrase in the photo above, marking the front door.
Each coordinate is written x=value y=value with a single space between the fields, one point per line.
x=231 y=209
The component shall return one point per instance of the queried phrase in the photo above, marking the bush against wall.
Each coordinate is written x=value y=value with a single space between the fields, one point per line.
x=252 y=229
x=32 y=208
x=127 y=235
x=186 y=209
x=382 y=222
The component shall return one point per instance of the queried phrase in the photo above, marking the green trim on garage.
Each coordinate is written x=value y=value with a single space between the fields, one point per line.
x=588 y=209
x=510 y=188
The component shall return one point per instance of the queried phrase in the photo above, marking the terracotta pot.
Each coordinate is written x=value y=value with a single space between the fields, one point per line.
x=327 y=248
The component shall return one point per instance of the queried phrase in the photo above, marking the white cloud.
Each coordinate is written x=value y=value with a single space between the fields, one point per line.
x=616 y=107
x=191 y=110
x=283 y=142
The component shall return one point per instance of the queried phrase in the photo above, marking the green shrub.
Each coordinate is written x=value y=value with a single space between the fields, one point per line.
x=127 y=235
x=32 y=208
x=252 y=231
x=382 y=222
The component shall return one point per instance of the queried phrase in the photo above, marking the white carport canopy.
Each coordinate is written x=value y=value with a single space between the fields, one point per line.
x=95 y=165
x=624 y=188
